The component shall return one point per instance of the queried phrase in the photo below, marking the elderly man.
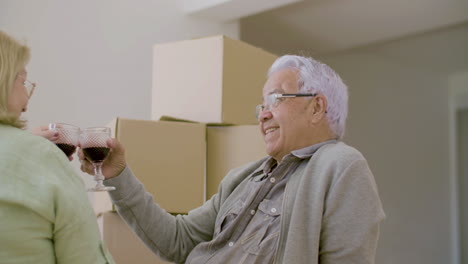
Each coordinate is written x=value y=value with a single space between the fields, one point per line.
x=312 y=200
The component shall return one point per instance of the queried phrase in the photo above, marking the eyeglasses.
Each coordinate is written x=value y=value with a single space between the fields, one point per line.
x=272 y=101
x=29 y=87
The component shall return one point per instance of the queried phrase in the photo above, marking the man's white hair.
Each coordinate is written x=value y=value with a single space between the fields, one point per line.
x=316 y=77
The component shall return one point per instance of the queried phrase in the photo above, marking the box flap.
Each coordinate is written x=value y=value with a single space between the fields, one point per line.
x=113 y=126
x=175 y=119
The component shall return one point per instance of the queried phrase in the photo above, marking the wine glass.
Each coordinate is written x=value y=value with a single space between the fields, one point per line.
x=93 y=142
x=68 y=137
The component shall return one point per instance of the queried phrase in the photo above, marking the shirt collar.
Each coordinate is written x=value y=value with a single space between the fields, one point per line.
x=264 y=169
x=302 y=153
x=307 y=152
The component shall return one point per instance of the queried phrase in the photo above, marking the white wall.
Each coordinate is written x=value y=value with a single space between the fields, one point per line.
x=92 y=59
x=398 y=119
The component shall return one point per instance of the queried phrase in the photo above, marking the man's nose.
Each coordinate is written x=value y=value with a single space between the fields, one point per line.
x=264 y=115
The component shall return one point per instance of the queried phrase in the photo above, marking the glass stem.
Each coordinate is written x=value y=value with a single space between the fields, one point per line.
x=98 y=176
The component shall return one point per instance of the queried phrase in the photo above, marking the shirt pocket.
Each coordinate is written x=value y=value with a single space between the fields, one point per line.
x=263 y=237
x=228 y=218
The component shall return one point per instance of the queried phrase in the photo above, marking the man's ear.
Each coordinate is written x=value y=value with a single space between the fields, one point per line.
x=320 y=105
x=318 y=109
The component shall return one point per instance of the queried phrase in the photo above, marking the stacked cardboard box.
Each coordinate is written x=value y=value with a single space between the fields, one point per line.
x=209 y=80
x=228 y=147
x=124 y=246
x=182 y=163
x=215 y=83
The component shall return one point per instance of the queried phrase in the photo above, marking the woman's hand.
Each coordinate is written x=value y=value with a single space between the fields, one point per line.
x=43 y=131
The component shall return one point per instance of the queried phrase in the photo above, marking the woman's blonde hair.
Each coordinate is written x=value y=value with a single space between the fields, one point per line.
x=13 y=58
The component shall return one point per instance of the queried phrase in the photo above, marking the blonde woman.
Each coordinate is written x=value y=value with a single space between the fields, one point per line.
x=44 y=211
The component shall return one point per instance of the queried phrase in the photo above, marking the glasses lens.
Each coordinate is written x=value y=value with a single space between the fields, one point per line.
x=271 y=100
x=268 y=102
x=258 y=110
x=29 y=87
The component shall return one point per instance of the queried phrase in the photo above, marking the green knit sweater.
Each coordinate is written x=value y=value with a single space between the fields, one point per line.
x=45 y=215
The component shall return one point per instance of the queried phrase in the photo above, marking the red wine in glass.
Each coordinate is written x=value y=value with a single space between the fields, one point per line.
x=68 y=137
x=68 y=149
x=93 y=142
x=96 y=154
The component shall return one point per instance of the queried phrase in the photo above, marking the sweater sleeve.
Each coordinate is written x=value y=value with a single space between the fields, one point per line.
x=171 y=237
x=351 y=217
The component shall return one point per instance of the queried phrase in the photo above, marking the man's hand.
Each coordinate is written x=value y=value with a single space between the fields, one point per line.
x=113 y=165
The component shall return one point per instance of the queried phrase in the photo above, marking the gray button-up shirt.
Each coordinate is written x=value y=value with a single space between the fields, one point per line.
x=249 y=231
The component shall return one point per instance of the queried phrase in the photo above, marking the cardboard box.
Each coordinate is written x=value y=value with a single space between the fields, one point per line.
x=168 y=158
x=123 y=244
x=179 y=187
x=229 y=147
x=209 y=80
x=102 y=202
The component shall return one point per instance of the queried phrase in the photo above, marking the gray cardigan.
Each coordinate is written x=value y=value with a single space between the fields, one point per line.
x=331 y=211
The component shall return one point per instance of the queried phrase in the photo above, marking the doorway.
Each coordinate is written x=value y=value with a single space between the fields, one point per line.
x=462 y=154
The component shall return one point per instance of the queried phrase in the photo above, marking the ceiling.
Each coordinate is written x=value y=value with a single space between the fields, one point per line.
x=429 y=33
x=324 y=26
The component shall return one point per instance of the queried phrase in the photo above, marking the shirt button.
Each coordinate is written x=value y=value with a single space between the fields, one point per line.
x=273 y=210
x=252 y=212
x=231 y=244
x=272 y=180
